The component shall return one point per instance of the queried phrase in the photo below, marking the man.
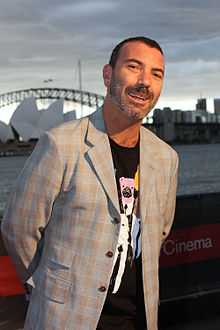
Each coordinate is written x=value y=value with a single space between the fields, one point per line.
x=93 y=205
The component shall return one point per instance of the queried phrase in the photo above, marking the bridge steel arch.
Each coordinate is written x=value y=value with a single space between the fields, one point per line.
x=86 y=98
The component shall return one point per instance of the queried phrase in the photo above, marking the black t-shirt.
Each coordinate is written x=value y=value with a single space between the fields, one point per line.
x=124 y=309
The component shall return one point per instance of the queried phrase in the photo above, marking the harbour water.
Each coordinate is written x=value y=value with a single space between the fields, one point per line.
x=199 y=171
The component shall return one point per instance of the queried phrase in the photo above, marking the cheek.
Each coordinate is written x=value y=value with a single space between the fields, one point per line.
x=116 y=85
x=122 y=80
x=157 y=89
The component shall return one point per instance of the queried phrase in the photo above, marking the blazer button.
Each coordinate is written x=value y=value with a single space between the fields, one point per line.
x=109 y=254
x=102 y=289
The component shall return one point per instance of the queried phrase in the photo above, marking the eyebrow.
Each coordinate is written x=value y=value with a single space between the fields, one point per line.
x=140 y=63
x=133 y=60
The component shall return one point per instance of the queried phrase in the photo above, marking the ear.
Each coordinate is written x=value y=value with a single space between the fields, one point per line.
x=107 y=74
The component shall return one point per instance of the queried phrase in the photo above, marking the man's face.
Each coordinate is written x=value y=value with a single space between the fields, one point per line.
x=135 y=83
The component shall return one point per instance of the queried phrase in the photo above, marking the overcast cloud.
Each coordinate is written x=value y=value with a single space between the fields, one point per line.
x=46 y=38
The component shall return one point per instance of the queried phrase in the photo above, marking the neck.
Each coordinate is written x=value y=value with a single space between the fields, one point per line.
x=120 y=128
x=125 y=138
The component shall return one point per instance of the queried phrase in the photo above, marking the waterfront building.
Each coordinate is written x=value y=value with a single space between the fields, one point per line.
x=201 y=105
x=217 y=106
x=24 y=120
x=178 y=116
x=190 y=126
x=6 y=133
x=188 y=116
x=71 y=115
x=51 y=117
x=29 y=123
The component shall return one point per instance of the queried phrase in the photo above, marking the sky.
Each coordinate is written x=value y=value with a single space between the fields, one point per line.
x=45 y=39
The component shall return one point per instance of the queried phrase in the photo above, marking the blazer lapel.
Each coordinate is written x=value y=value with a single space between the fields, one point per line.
x=99 y=157
x=148 y=169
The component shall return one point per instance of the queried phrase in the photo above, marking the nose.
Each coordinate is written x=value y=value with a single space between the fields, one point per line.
x=145 y=78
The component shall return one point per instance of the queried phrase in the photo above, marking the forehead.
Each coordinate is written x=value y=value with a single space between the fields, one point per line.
x=141 y=52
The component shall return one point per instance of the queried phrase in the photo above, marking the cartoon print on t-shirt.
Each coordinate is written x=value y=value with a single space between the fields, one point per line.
x=127 y=194
x=130 y=226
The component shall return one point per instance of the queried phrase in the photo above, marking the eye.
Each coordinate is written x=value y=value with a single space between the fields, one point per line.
x=158 y=75
x=133 y=66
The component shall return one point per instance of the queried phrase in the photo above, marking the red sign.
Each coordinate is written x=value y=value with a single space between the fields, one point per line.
x=191 y=245
x=10 y=284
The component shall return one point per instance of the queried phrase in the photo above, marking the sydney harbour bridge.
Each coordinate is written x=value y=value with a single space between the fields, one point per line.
x=82 y=97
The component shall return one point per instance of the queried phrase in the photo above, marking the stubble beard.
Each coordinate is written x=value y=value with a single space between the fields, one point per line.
x=132 y=111
x=123 y=106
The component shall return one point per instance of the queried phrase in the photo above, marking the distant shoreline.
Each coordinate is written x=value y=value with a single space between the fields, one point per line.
x=15 y=153
x=15 y=148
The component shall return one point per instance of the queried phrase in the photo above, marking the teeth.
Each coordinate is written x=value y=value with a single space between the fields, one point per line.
x=138 y=96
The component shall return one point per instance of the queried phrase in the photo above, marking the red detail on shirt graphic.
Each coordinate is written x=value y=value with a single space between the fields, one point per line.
x=190 y=245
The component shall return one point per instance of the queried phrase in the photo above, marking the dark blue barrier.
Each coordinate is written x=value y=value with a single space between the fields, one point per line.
x=190 y=257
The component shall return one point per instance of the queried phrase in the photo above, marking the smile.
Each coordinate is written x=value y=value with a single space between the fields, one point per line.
x=138 y=97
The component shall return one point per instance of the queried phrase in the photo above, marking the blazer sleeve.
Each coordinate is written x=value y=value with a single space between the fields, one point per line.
x=30 y=205
x=171 y=196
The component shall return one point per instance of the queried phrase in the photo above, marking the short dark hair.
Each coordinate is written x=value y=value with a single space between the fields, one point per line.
x=147 y=41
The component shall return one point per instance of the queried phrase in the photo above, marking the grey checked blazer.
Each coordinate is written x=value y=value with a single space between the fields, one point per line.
x=63 y=217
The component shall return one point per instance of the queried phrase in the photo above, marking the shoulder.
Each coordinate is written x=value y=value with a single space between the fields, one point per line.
x=66 y=131
x=62 y=142
x=160 y=147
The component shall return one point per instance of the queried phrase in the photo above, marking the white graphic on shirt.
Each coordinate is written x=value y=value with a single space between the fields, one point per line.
x=135 y=236
x=122 y=243
x=128 y=200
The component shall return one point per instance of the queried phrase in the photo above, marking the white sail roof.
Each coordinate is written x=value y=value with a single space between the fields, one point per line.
x=5 y=132
x=27 y=131
x=51 y=117
x=27 y=111
x=71 y=115
x=31 y=123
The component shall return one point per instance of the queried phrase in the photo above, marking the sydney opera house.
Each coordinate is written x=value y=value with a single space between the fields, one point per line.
x=28 y=123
